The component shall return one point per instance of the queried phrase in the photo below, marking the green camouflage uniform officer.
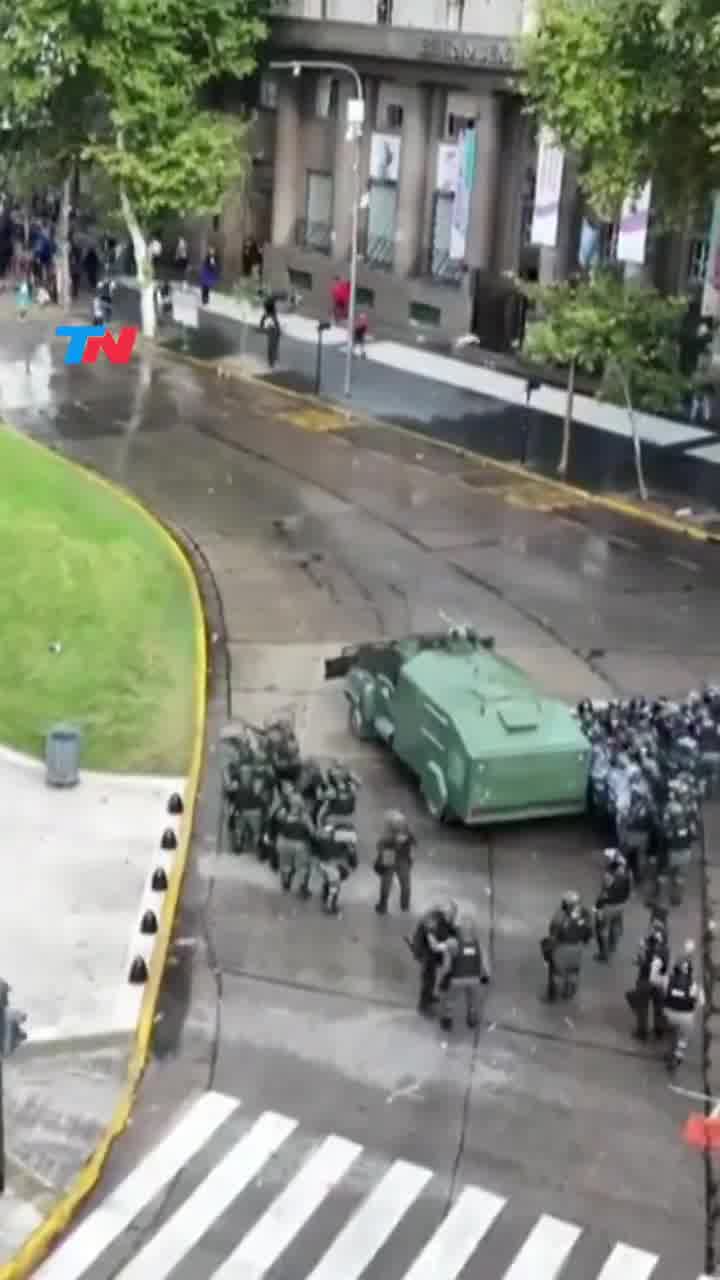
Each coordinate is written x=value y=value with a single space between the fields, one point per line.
x=569 y=932
x=238 y=787
x=284 y=751
x=294 y=843
x=263 y=791
x=394 y=859
x=268 y=841
x=468 y=973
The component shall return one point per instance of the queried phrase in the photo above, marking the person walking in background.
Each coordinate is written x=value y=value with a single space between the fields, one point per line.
x=92 y=267
x=360 y=335
x=340 y=296
x=181 y=259
x=75 y=262
x=209 y=275
x=251 y=258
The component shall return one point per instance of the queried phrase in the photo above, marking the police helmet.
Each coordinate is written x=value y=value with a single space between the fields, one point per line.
x=450 y=911
x=395 y=820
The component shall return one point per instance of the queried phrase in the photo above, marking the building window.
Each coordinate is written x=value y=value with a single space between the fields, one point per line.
x=382 y=213
x=384 y=12
x=315 y=229
x=300 y=280
x=394 y=116
x=454 y=11
x=268 y=93
x=456 y=124
x=699 y=254
x=365 y=297
x=326 y=97
x=422 y=313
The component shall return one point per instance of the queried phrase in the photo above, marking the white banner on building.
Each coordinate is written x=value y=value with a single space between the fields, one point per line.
x=711 y=290
x=385 y=157
x=464 y=182
x=448 y=160
x=633 y=229
x=548 y=192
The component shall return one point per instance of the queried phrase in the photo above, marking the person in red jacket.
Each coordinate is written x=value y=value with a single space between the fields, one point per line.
x=340 y=294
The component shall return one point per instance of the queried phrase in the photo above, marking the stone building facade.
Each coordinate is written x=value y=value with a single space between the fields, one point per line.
x=447 y=166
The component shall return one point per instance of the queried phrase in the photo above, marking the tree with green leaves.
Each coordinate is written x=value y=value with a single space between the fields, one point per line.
x=135 y=78
x=46 y=114
x=628 y=337
x=633 y=89
x=568 y=332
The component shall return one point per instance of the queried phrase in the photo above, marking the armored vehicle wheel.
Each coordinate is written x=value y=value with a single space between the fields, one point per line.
x=358 y=728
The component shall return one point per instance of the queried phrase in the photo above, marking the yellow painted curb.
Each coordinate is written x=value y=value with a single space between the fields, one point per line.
x=620 y=506
x=39 y=1244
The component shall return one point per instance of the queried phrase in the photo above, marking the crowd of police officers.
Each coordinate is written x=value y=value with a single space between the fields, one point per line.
x=652 y=763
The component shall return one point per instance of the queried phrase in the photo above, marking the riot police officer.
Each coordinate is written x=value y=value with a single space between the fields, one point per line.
x=429 y=947
x=678 y=836
x=468 y=972
x=339 y=798
x=609 y=907
x=394 y=859
x=268 y=840
x=312 y=786
x=635 y=824
x=242 y=802
x=284 y=751
x=568 y=932
x=647 y=997
x=294 y=843
x=682 y=998
x=599 y=765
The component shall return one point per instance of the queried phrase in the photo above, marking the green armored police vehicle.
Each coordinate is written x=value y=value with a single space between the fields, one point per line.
x=485 y=746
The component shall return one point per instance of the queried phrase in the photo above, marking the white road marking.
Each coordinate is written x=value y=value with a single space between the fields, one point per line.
x=625 y=1263
x=458 y=1236
x=115 y=1213
x=277 y=1228
x=176 y=1237
x=711 y=453
x=374 y=1222
x=545 y=1251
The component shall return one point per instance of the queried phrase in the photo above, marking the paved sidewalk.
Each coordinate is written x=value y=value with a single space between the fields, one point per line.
x=481 y=412
x=77 y=865
x=453 y=372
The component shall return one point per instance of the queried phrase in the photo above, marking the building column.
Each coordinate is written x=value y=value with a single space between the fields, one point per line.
x=287 y=162
x=436 y=133
x=482 y=222
x=413 y=178
x=343 y=175
x=514 y=185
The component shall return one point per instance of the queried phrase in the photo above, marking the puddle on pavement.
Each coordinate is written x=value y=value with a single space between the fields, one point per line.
x=202 y=344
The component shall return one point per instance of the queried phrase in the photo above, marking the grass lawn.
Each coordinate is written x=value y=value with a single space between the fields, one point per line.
x=81 y=568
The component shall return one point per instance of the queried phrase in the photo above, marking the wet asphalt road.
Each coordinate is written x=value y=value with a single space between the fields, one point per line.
x=314 y=539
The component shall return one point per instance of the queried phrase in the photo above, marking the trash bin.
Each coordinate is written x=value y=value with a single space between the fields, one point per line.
x=62 y=756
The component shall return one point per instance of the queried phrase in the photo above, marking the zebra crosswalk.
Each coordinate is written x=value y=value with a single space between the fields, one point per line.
x=228 y=1197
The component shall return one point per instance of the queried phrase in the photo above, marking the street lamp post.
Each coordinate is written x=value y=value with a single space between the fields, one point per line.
x=356 y=119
